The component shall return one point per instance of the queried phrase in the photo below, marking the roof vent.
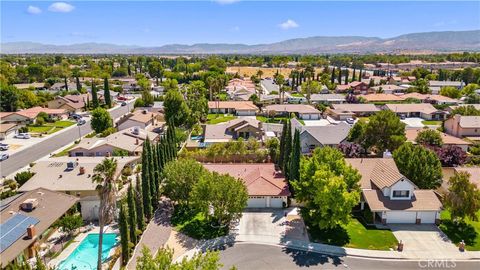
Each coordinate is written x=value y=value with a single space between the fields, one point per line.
x=29 y=205
x=71 y=165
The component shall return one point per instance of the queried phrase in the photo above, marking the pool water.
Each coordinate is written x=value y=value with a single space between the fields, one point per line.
x=84 y=257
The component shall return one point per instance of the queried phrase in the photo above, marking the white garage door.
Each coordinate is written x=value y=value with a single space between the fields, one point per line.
x=427 y=217
x=276 y=202
x=401 y=217
x=257 y=202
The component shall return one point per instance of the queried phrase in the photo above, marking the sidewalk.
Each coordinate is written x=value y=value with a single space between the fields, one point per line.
x=155 y=235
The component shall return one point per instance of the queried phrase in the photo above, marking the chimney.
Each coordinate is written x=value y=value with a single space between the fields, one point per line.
x=108 y=154
x=82 y=170
x=31 y=232
x=136 y=141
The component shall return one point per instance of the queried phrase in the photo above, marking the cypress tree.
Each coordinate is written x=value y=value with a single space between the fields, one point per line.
x=106 y=93
x=287 y=150
x=282 y=145
x=147 y=203
x=139 y=204
x=94 y=96
x=88 y=103
x=66 y=83
x=152 y=179
x=353 y=75
x=132 y=214
x=332 y=78
x=294 y=172
x=124 y=235
x=360 y=75
x=339 y=76
x=346 y=76
x=79 y=86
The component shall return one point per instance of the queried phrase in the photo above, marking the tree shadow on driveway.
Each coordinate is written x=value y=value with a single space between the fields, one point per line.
x=307 y=258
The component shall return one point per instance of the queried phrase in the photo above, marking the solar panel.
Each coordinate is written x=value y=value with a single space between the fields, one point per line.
x=12 y=229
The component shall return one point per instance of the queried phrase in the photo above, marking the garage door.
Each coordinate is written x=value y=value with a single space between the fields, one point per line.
x=256 y=202
x=401 y=217
x=427 y=217
x=276 y=202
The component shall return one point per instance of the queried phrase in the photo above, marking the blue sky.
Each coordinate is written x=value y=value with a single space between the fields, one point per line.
x=155 y=23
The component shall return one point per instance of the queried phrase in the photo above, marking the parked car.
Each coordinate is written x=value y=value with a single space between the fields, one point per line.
x=22 y=136
x=4 y=147
x=124 y=104
x=4 y=157
x=75 y=116
x=351 y=121
x=402 y=116
x=121 y=98
x=81 y=122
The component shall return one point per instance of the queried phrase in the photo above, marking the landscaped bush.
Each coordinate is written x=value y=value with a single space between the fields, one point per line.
x=23 y=177
x=234 y=151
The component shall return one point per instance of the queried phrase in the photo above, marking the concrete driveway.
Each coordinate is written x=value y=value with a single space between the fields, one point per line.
x=413 y=122
x=426 y=238
x=270 y=226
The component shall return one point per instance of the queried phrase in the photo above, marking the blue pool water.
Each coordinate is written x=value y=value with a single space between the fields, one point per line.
x=84 y=257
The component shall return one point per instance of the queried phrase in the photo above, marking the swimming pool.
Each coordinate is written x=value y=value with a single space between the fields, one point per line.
x=84 y=257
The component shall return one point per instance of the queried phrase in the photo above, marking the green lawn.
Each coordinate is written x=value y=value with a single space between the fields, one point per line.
x=356 y=235
x=297 y=95
x=194 y=224
x=219 y=118
x=50 y=128
x=432 y=123
x=64 y=152
x=468 y=231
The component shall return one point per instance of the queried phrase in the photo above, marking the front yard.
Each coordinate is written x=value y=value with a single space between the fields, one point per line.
x=468 y=231
x=194 y=224
x=49 y=128
x=432 y=123
x=355 y=235
x=275 y=120
x=214 y=118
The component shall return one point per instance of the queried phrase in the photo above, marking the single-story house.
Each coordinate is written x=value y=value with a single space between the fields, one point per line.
x=141 y=119
x=356 y=87
x=25 y=218
x=463 y=126
x=389 y=89
x=28 y=116
x=312 y=137
x=305 y=112
x=267 y=187
x=327 y=98
x=234 y=129
x=436 y=86
x=240 y=108
x=7 y=129
x=401 y=79
x=430 y=98
x=381 y=97
x=73 y=176
x=130 y=140
x=451 y=108
x=343 y=111
x=448 y=140
x=391 y=197
x=423 y=110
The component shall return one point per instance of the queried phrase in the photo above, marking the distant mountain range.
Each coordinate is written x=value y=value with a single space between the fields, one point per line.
x=417 y=42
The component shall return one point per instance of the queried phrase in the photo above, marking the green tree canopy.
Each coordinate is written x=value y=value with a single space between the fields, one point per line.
x=429 y=137
x=176 y=109
x=419 y=164
x=101 y=120
x=179 y=178
x=328 y=187
x=463 y=198
x=383 y=131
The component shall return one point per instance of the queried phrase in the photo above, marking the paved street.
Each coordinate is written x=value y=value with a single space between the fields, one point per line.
x=26 y=156
x=253 y=256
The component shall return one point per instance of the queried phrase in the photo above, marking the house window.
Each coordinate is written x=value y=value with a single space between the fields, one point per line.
x=401 y=193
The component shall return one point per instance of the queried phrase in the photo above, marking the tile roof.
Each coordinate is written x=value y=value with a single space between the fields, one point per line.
x=356 y=107
x=426 y=108
x=327 y=97
x=261 y=179
x=469 y=121
x=219 y=133
x=143 y=116
x=236 y=105
x=292 y=108
x=412 y=133
x=422 y=200
x=438 y=98
x=34 y=111
x=381 y=97
x=474 y=174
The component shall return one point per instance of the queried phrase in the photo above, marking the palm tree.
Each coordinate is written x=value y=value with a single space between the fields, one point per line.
x=104 y=176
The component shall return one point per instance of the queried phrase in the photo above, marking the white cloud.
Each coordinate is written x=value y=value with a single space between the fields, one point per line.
x=61 y=7
x=288 y=24
x=34 y=10
x=226 y=2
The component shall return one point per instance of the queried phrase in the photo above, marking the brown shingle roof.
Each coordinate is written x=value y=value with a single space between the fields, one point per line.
x=382 y=172
x=261 y=179
x=426 y=108
x=51 y=206
x=422 y=200
x=236 y=105
x=411 y=135
x=292 y=108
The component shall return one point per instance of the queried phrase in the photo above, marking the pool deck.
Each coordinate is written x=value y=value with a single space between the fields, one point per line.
x=78 y=239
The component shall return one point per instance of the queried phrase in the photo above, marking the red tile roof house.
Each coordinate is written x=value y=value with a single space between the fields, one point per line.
x=240 y=108
x=392 y=197
x=267 y=188
x=356 y=87
x=28 y=116
x=305 y=112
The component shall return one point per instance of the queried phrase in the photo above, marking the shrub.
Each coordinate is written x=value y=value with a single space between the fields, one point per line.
x=108 y=131
x=23 y=177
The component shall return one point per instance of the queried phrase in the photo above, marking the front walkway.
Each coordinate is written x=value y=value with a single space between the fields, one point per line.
x=156 y=234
